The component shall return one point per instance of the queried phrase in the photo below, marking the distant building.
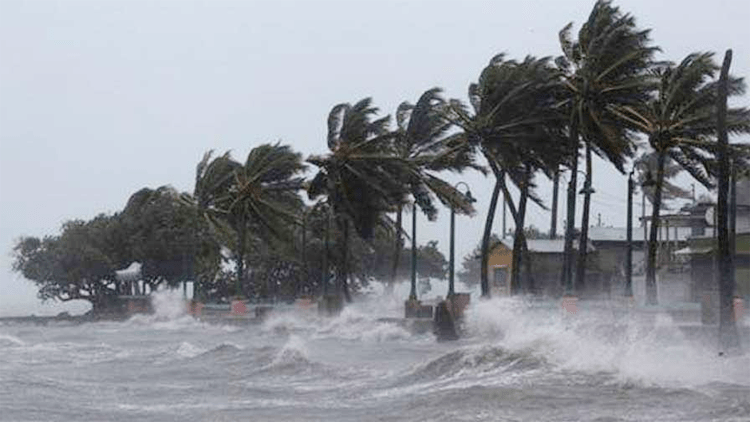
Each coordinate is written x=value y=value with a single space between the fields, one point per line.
x=546 y=257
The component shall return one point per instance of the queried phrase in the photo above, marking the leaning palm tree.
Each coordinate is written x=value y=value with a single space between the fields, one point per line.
x=604 y=71
x=360 y=176
x=422 y=138
x=512 y=123
x=251 y=203
x=680 y=122
x=646 y=166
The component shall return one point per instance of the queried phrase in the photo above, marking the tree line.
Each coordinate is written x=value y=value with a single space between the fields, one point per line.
x=606 y=94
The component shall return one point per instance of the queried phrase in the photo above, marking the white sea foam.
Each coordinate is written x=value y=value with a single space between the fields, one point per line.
x=9 y=340
x=650 y=349
x=189 y=350
x=294 y=351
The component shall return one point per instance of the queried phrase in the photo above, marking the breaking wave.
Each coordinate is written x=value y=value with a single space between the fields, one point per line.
x=651 y=349
x=7 y=340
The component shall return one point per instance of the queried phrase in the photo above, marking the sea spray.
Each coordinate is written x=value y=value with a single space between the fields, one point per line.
x=9 y=340
x=631 y=347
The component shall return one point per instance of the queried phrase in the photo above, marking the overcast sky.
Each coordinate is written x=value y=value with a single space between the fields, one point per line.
x=101 y=98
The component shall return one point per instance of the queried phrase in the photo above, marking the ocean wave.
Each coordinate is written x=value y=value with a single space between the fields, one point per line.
x=7 y=340
x=476 y=360
x=650 y=349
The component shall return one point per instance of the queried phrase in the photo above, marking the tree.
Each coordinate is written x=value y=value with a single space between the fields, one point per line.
x=250 y=204
x=516 y=127
x=604 y=71
x=646 y=166
x=681 y=126
x=360 y=176
x=78 y=264
x=167 y=236
x=422 y=137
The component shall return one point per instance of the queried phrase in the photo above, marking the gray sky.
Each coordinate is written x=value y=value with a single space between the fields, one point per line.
x=101 y=98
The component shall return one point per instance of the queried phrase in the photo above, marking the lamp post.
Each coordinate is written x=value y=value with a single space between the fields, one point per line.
x=471 y=199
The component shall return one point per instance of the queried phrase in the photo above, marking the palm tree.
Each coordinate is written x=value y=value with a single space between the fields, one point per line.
x=513 y=126
x=259 y=197
x=680 y=122
x=421 y=137
x=646 y=166
x=604 y=71
x=360 y=176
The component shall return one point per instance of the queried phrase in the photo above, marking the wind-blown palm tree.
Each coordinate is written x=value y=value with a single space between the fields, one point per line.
x=422 y=138
x=360 y=175
x=513 y=126
x=680 y=122
x=604 y=71
x=260 y=195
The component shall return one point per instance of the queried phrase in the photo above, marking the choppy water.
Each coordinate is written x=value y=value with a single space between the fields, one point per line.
x=517 y=363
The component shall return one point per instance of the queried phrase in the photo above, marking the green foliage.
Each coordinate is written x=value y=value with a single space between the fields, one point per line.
x=680 y=118
x=360 y=176
x=77 y=264
x=605 y=72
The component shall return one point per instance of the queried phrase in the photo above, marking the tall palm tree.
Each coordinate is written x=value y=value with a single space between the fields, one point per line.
x=646 y=166
x=422 y=137
x=258 y=198
x=513 y=123
x=604 y=71
x=360 y=176
x=680 y=122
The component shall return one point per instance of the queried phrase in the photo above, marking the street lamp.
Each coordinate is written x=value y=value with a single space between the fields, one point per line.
x=471 y=199
x=587 y=188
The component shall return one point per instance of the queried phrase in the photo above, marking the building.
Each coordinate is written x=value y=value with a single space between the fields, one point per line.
x=546 y=256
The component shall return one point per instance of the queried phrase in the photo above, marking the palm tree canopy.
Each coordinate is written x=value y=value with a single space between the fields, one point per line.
x=646 y=166
x=516 y=119
x=680 y=119
x=359 y=176
x=422 y=138
x=261 y=193
x=605 y=71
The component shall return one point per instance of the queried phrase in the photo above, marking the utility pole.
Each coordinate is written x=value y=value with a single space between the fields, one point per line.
x=728 y=335
x=629 y=255
x=413 y=293
x=555 y=189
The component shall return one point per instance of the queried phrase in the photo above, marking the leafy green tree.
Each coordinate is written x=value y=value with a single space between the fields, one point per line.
x=167 y=236
x=78 y=264
x=359 y=177
x=680 y=122
x=604 y=72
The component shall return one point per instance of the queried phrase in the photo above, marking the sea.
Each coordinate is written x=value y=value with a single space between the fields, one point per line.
x=517 y=360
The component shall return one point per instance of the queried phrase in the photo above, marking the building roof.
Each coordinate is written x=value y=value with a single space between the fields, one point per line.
x=545 y=245
x=620 y=234
x=132 y=273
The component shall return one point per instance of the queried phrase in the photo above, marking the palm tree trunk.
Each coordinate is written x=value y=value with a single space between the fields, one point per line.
x=398 y=247
x=583 y=242
x=240 y=258
x=486 y=239
x=651 y=291
x=567 y=274
x=345 y=262
x=728 y=336
x=518 y=239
